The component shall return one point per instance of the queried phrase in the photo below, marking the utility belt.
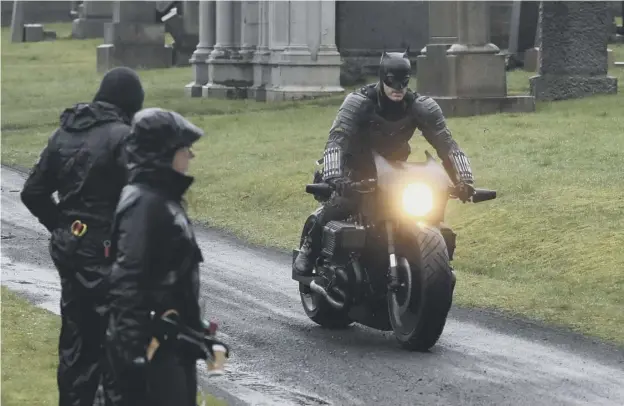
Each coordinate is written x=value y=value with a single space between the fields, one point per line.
x=169 y=332
x=98 y=234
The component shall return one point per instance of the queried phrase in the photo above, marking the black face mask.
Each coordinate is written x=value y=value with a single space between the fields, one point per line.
x=395 y=69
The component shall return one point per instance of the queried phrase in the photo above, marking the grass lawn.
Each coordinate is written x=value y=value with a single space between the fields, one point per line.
x=548 y=248
x=29 y=338
x=29 y=354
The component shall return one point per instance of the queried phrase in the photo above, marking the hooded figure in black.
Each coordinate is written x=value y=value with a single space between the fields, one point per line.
x=84 y=163
x=156 y=269
x=381 y=116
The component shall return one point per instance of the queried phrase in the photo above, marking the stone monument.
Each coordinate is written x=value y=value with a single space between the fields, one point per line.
x=574 y=60
x=470 y=78
x=266 y=50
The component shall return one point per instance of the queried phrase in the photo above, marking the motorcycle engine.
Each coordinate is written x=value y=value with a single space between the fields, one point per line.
x=340 y=239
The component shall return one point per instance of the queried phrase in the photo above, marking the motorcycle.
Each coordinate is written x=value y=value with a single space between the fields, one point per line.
x=388 y=266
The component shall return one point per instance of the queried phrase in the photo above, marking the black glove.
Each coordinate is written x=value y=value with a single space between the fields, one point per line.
x=342 y=185
x=464 y=191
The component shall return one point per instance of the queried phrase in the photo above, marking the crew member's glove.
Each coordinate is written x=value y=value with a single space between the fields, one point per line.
x=210 y=333
x=464 y=191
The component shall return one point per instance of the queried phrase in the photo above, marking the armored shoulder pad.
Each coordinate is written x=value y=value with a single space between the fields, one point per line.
x=350 y=114
x=428 y=113
x=356 y=102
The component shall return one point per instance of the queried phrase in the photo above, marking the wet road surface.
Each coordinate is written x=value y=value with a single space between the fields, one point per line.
x=280 y=357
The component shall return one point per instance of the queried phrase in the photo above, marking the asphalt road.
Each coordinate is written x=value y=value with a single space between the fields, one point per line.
x=282 y=358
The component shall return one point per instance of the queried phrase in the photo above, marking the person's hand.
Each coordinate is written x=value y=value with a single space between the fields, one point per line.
x=464 y=191
x=342 y=186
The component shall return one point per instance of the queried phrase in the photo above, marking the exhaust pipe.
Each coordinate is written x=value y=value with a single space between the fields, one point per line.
x=321 y=291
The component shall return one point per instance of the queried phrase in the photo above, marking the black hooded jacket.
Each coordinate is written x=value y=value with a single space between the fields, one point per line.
x=157 y=258
x=84 y=162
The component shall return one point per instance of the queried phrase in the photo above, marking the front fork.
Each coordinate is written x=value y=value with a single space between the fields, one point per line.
x=393 y=284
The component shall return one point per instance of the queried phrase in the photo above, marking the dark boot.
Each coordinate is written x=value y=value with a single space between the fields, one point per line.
x=308 y=253
x=304 y=263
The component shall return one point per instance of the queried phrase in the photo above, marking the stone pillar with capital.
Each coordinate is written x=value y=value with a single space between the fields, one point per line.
x=199 y=59
x=309 y=64
x=229 y=75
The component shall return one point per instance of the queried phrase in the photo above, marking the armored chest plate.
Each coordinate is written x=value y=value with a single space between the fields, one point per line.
x=386 y=135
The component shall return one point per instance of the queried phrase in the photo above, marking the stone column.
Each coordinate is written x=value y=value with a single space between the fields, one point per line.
x=250 y=29
x=17 y=22
x=224 y=45
x=228 y=75
x=302 y=70
x=297 y=49
x=207 y=37
x=250 y=37
x=574 y=60
x=134 y=39
x=327 y=47
x=92 y=16
x=262 y=55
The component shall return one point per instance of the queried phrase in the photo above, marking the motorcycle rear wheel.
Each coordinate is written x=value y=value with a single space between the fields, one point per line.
x=418 y=310
x=322 y=313
x=315 y=305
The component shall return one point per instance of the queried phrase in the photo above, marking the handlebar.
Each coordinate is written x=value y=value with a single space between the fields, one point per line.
x=368 y=185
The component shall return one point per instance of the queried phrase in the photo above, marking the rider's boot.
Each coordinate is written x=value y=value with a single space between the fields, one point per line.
x=453 y=279
x=308 y=253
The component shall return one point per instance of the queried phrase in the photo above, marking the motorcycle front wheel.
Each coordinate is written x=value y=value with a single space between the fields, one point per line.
x=419 y=308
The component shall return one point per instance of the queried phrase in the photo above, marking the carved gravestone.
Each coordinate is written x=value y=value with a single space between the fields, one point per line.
x=38 y=12
x=135 y=38
x=523 y=28
x=574 y=59
x=92 y=15
x=364 y=29
x=500 y=20
x=22 y=32
x=184 y=28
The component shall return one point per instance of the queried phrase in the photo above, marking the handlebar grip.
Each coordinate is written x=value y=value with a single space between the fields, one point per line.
x=319 y=189
x=482 y=195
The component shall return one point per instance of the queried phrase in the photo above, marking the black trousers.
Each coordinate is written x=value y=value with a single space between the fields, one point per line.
x=167 y=380
x=82 y=365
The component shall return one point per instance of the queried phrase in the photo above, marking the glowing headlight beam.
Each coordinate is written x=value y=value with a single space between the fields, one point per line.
x=417 y=199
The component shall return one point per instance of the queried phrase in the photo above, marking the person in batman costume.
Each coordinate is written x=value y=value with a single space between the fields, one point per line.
x=154 y=283
x=83 y=162
x=381 y=116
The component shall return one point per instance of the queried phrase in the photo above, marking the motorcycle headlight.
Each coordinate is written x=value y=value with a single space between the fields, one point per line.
x=417 y=199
